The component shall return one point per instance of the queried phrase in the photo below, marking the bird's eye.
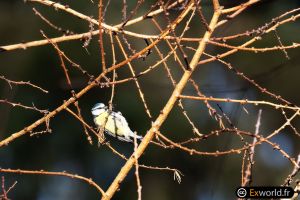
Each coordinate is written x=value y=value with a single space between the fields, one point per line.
x=99 y=106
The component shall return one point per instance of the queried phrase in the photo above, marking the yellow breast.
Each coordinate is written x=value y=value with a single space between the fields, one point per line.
x=111 y=124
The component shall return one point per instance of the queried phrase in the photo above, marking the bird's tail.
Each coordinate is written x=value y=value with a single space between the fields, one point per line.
x=134 y=135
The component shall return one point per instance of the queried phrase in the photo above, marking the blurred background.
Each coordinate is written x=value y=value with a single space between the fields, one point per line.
x=66 y=147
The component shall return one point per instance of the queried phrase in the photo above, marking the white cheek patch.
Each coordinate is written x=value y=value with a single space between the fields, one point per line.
x=97 y=112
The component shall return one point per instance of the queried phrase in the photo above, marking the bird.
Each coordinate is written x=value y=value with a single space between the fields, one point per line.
x=113 y=123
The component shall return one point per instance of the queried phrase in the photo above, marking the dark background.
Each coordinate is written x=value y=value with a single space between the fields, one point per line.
x=66 y=148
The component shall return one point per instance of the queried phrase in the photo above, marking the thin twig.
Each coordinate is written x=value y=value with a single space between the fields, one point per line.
x=11 y=82
x=48 y=173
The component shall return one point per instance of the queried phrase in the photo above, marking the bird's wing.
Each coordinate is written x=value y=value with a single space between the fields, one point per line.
x=119 y=117
x=128 y=134
x=117 y=124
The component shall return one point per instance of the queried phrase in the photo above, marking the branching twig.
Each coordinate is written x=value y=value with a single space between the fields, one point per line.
x=48 y=173
x=170 y=39
x=169 y=105
x=10 y=82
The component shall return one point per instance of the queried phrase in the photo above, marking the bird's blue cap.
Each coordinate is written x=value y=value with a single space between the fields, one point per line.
x=98 y=106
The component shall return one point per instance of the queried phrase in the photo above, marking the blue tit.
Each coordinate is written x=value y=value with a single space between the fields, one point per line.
x=113 y=123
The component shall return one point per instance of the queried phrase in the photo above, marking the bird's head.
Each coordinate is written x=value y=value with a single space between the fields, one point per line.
x=98 y=109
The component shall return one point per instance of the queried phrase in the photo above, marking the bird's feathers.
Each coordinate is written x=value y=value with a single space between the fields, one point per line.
x=98 y=105
x=98 y=109
x=113 y=123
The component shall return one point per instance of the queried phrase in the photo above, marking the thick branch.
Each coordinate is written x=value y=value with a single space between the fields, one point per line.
x=166 y=110
x=91 y=85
